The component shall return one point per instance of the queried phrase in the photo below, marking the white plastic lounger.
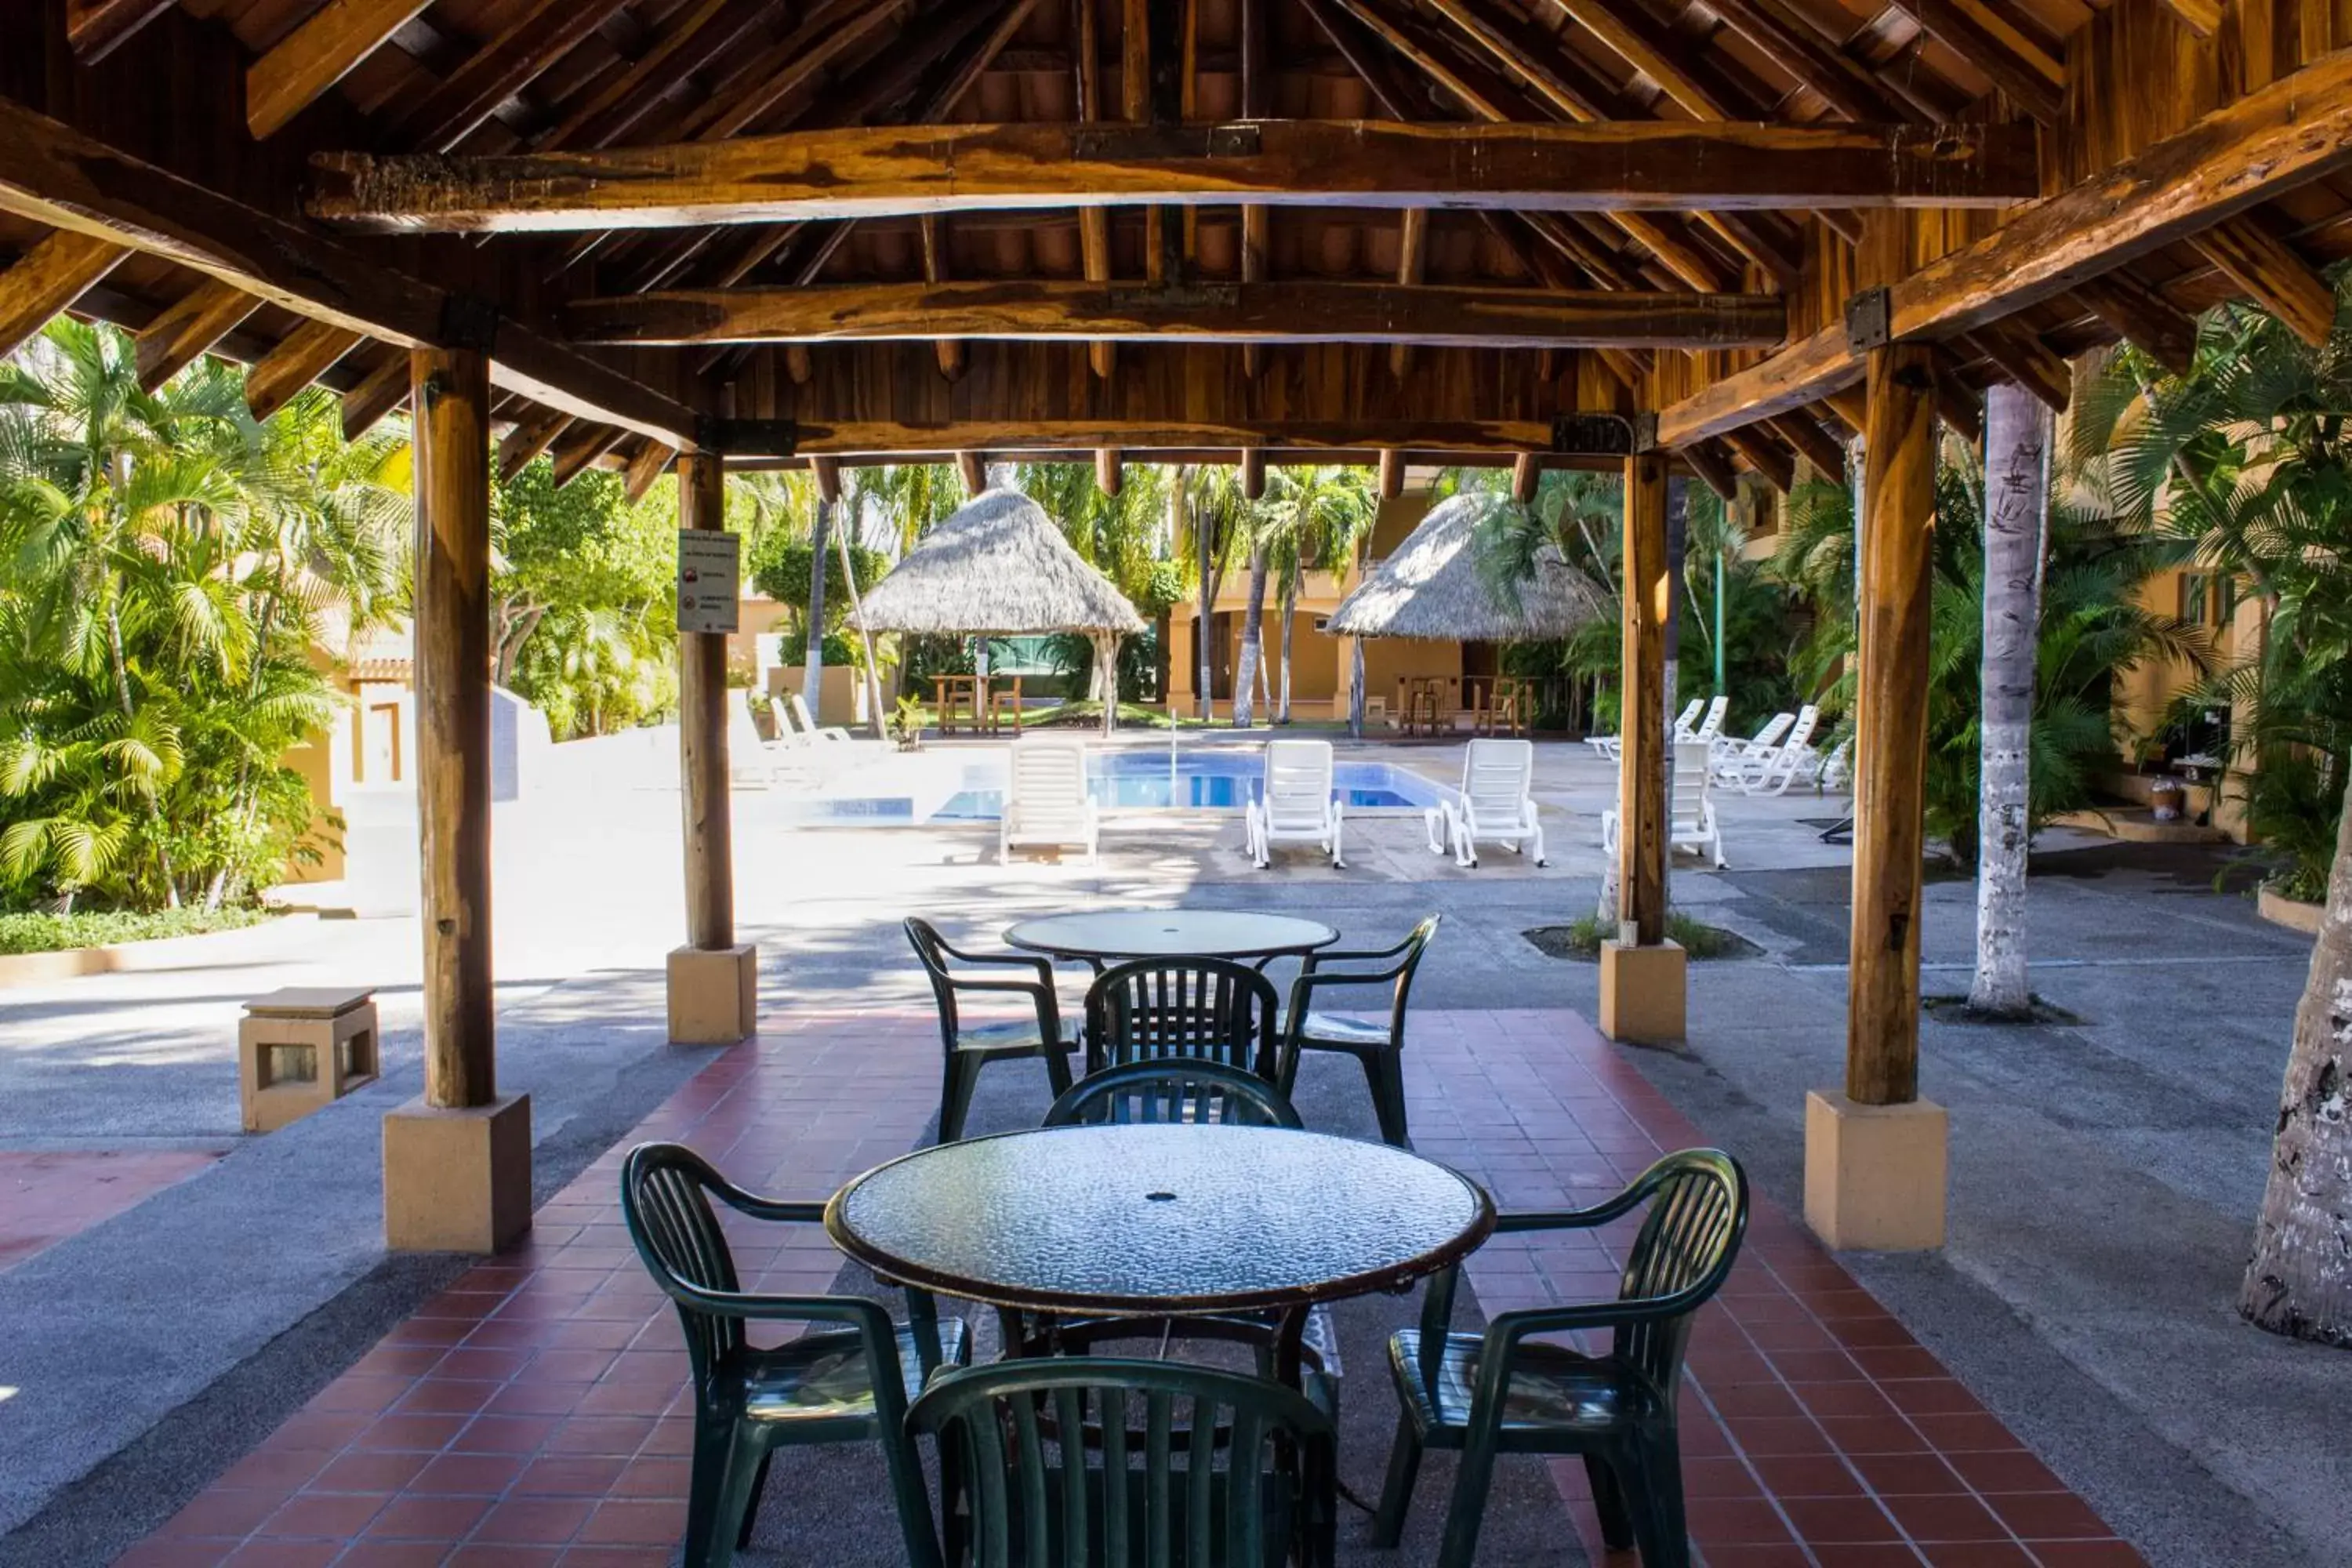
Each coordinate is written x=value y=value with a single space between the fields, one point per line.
x=1296 y=804
x=1712 y=725
x=1496 y=802
x=1773 y=772
x=1836 y=771
x=1731 y=757
x=1046 y=799
x=1691 y=825
x=808 y=726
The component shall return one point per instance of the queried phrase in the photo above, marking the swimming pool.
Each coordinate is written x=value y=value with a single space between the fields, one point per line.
x=942 y=789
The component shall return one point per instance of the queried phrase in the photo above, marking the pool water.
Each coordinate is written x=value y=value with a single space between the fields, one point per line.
x=1140 y=780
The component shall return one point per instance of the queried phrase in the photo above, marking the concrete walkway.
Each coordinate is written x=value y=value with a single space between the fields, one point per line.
x=2104 y=1173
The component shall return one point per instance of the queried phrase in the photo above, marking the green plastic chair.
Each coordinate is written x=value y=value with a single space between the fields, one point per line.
x=1379 y=1048
x=969 y=1047
x=1497 y=1394
x=1173 y=1090
x=1200 y=1009
x=1101 y=1462
x=850 y=1383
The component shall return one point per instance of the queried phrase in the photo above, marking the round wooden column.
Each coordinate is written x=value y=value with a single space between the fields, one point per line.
x=1891 y=727
x=702 y=734
x=451 y=392
x=1641 y=719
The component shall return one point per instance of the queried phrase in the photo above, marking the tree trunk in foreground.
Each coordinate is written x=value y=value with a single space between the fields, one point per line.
x=1356 y=689
x=2300 y=1282
x=1252 y=643
x=2017 y=497
x=811 y=690
x=1282 y=702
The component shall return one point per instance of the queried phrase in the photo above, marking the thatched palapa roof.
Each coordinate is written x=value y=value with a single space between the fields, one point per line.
x=998 y=566
x=1432 y=589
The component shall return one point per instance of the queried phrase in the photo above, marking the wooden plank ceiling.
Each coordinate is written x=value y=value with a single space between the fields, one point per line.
x=1570 y=225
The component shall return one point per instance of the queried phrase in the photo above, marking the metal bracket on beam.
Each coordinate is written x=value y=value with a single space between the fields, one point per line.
x=1162 y=143
x=1869 y=320
x=469 y=322
x=747 y=438
x=1603 y=435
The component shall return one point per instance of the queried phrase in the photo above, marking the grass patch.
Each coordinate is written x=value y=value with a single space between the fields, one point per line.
x=1071 y=715
x=1584 y=938
x=31 y=933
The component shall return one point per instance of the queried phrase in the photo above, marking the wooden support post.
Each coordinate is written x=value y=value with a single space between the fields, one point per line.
x=1391 y=473
x=1642 y=973
x=1525 y=477
x=1110 y=472
x=713 y=981
x=973 y=467
x=1875 y=1154
x=456 y=1161
x=1253 y=473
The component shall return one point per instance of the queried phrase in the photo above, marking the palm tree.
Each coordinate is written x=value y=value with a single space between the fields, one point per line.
x=1216 y=517
x=1312 y=517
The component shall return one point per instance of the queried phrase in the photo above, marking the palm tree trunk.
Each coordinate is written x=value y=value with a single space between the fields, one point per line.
x=1356 y=689
x=122 y=695
x=1282 y=703
x=2300 y=1280
x=1207 y=620
x=865 y=637
x=1252 y=643
x=812 y=690
x=2017 y=495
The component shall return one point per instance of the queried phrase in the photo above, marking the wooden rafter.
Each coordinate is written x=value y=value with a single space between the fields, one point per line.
x=647 y=464
x=2136 y=314
x=582 y=445
x=542 y=35
x=378 y=391
x=55 y=174
x=1613 y=166
x=46 y=279
x=2295 y=130
x=301 y=68
x=2266 y=267
x=1263 y=313
x=95 y=28
x=309 y=351
x=2029 y=75
x=189 y=326
x=528 y=440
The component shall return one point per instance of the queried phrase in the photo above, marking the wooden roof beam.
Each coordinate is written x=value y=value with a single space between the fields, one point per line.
x=2021 y=358
x=299 y=70
x=579 y=448
x=1412 y=265
x=188 y=327
x=1263 y=313
x=2266 y=267
x=647 y=464
x=1094 y=222
x=55 y=174
x=2027 y=74
x=47 y=279
x=1788 y=40
x=2273 y=139
x=380 y=392
x=2142 y=317
x=542 y=35
x=528 y=440
x=309 y=351
x=96 y=28
x=1258 y=222
x=1610 y=166
x=816 y=436
x=1766 y=456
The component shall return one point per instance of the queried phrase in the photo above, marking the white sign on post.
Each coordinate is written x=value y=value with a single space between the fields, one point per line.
x=708 y=571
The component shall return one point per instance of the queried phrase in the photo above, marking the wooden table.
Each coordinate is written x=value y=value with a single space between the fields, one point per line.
x=976 y=701
x=1149 y=1220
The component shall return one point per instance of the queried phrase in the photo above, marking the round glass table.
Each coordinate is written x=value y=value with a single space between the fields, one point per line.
x=1110 y=935
x=1162 y=1221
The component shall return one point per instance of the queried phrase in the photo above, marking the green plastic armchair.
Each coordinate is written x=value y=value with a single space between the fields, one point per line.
x=1200 y=1009
x=1379 y=1048
x=968 y=1048
x=848 y=1382
x=1173 y=1089
x=1503 y=1393
x=1113 y=1463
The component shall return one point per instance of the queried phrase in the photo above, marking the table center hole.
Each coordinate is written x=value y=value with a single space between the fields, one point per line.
x=1159 y=1197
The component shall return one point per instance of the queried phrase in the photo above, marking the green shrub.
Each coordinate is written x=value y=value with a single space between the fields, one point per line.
x=32 y=933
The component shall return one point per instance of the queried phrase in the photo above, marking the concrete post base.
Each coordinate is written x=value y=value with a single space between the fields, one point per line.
x=1643 y=992
x=714 y=994
x=457 y=1181
x=1874 y=1173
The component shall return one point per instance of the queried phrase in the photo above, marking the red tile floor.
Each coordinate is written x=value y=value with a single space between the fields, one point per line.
x=46 y=1197
x=533 y=1414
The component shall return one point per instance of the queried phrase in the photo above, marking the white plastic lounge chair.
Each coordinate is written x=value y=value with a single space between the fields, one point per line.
x=1295 y=806
x=1773 y=773
x=1609 y=746
x=1495 y=801
x=1836 y=775
x=831 y=734
x=755 y=763
x=1688 y=717
x=1046 y=799
x=1691 y=825
x=1712 y=725
x=1731 y=757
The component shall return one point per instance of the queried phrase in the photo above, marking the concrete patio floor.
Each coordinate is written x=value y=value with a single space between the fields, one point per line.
x=2104 y=1173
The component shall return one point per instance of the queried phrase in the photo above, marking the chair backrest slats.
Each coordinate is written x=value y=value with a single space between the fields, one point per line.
x=1298 y=783
x=1183 y=1092
x=676 y=1232
x=1203 y=1008
x=1048 y=777
x=1081 y=1462
x=1688 y=1239
x=1497 y=775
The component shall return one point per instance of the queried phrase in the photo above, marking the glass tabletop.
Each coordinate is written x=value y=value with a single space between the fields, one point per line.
x=1170 y=934
x=1158 y=1218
